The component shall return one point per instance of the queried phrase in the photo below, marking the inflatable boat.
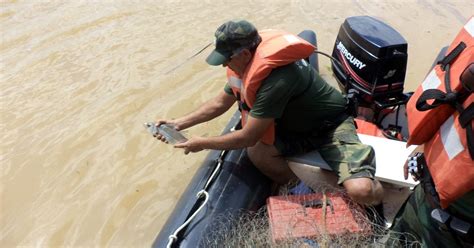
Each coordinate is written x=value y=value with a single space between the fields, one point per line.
x=369 y=62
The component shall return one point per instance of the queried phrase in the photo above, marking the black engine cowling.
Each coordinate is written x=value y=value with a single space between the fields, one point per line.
x=373 y=56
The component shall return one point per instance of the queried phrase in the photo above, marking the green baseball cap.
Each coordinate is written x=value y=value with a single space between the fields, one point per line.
x=231 y=36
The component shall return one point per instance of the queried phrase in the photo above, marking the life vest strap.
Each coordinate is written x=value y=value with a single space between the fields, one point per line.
x=446 y=62
x=241 y=103
x=244 y=106
x=465 y=119
x=452 y=55
x=428 y=185
x=439 y=98
x=467 y=116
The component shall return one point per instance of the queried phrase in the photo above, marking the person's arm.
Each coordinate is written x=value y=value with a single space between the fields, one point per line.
x=208 y=111
x=245 y=137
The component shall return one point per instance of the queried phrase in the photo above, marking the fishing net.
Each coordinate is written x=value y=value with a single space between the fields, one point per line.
x=254 y=229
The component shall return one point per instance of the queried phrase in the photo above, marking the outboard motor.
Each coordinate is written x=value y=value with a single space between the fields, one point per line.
x=372 y=64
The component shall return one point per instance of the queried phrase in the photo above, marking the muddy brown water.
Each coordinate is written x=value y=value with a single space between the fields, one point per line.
x=78 y=79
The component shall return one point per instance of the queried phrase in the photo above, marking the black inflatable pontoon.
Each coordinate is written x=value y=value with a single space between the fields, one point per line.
x=233 y=184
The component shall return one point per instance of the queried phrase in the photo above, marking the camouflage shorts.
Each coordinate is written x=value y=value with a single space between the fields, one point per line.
x=340 y=148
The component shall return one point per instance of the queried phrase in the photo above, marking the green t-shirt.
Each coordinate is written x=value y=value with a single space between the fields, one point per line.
x=297 y=97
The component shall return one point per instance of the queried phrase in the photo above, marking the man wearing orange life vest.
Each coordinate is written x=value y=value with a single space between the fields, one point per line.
x=440 y=212
x=287 y=108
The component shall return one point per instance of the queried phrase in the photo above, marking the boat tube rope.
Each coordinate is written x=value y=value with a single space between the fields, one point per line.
x=202 y=193
x=174 y=237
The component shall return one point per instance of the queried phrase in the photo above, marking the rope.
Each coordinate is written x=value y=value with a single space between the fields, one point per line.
x=218 y=167
x=331 y=57
x=174 y=237
x=187 y=59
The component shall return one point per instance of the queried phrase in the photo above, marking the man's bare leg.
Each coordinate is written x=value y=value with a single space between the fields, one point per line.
x=269 y=161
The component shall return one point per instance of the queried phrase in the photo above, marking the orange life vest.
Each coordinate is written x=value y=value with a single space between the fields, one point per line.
x=437 y=124
x=448 y=159
x=278 y=48
x=422 y=125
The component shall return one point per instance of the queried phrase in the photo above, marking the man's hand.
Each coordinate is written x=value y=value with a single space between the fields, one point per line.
x=195 y=144
x=172 y=122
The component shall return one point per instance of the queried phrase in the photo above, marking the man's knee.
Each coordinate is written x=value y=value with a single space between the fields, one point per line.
x=363 y=190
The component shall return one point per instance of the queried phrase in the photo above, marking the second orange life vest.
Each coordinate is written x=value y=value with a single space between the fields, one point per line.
x=440 y=115
x=423 y=124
